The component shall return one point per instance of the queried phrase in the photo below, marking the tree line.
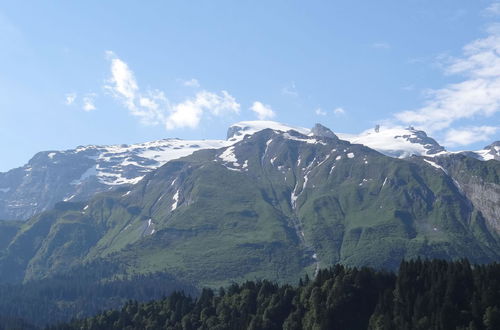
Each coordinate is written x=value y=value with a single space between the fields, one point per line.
x=425 y=294
x=82 y=292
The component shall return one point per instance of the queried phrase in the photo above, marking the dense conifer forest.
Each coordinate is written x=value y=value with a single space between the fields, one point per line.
x=423 y=295
x=81 y=292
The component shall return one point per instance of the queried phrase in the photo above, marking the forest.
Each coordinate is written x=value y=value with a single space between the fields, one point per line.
x=424 y=294
x=81 y=292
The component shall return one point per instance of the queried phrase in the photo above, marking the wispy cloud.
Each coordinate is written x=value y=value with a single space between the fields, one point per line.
x=191 y=83
x=320 y=112
x=339 y=111
x=467 y=135
x=152 y=107
x=70 y=98
x=476 y=96
x=381 y=45
x=89 y=102
x=493 y=9
x=263 y=111
x=122 y=84
x=408 y=88
x=290 y=90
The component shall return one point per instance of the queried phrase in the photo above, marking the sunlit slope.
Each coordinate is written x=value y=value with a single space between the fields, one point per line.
x=274 y=205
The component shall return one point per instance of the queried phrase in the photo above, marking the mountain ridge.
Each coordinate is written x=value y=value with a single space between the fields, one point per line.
x=77 y=174
x=273 y=205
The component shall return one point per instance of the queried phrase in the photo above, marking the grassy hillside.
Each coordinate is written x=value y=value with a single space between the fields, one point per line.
x=274 y=206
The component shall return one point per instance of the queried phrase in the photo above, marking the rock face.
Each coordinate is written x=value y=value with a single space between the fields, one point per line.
x=479 y=181
x=322 y=131
x=420 y=137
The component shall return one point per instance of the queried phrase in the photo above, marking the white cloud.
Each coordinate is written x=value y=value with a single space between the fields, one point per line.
x=122 y=83
x=493 y=9
x=320 y=112
x=89 y=102
x=339 y=111
x=153 y=107
x=189 y=112
x=468 y=135
x=70 y=98
x=408 y=88
x=476 y=96
x=263 y=111
x=191 y=83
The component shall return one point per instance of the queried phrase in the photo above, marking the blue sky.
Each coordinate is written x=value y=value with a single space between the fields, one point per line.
x=111 y=72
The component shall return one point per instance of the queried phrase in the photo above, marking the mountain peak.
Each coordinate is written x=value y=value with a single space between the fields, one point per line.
x=489 y=152
x=239 y=130
x=494 y=146
x=322 y=131
x=397 y=141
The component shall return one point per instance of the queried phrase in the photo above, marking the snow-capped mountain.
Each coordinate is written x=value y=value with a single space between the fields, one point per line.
x=397 y=142
x=77 y=174
x=312 y=200
x=489 y=152
x=238 y=131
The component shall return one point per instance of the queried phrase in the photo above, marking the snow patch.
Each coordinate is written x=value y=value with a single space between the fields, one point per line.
x=150 y=228
x=295 y=194
x=435 y=165
x=228 y=156
x=69 y=198
x=176 y=200
x=310 y=140
x=92 y=171
x=246 y=128
x=394 y=142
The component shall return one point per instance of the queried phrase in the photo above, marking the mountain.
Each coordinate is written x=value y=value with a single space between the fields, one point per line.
x=274 y=204
x=78 y=174
x=239 y=130
x=478 y=181
x=489 y=152
x=397 y=142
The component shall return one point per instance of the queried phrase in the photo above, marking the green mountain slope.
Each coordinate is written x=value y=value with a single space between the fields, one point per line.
x=275 y=205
